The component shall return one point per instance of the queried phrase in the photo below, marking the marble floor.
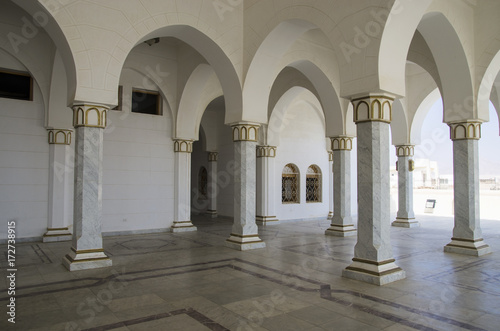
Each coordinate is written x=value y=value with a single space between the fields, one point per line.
x=190 y=281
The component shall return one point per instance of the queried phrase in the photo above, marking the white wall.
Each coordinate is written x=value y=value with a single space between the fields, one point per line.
x=302 y=142
x=24 y=165
x=138 y=187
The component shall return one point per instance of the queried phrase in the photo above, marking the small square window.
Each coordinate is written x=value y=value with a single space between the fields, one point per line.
x=146 y=102
x=16 y=85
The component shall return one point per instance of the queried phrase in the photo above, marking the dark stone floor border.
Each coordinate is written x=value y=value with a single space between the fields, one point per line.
x=196 y=315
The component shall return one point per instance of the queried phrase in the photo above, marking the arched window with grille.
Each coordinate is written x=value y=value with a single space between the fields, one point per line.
x=290 y=184
x=313 y=184
x=203 y=183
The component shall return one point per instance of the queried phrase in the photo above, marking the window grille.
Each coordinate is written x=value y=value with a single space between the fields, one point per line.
x=290 y=184
x=313 y=184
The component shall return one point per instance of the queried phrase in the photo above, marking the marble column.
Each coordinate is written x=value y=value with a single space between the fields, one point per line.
x=59 y=172
x=212 y=184
x=405 y=217
x=330 y=184
x=373 y=260
x=182 y=186
x=342 y=225
x=266 y=186
x=244 y=234
x=467 y=235
x=87 y=249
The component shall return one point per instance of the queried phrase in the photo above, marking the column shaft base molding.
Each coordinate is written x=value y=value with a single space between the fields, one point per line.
x=266 y=220
x=330 y=215
x=57 y=234
x=467 y=247
x=184 y=226
x=341 y=230
x=406 y=223
x=211 y=213
x=373 y=272
x=244 y=243
x=87 y=259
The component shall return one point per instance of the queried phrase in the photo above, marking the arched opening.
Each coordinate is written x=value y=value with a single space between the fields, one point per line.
x=313 y=184
x=290 y=184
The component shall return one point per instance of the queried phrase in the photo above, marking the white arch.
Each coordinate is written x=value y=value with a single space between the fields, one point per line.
x=486 y=88
x=278 y=120
x=421 y=113
x=261 y=73
x=53 y=29
x=398 y=33
x=452 y=65
x=191 y=105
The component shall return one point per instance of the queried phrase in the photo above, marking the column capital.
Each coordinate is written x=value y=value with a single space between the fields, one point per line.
x=213 y=156
x=330 y=156
x=183 y=146
x=373 y=108
x=266 y=151
x=59 y=136
x=88 y=115
x=341 y=143
x=465 y=130
x=405 y=150
x=245 y=131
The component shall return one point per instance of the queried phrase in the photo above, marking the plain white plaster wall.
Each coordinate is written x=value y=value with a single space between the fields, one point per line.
x=303 y=144
x=138 y=163
x=24 y=165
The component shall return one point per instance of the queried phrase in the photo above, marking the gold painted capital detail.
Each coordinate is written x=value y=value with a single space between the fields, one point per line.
x=341 y=143
x=465 y=130
x=92 y=116
x=405 y=150
x=183 y=146
x=266 y=151
x=213 y=156
x=59 y=136
x=330 y=156
x=373 y=109
x=245 y=132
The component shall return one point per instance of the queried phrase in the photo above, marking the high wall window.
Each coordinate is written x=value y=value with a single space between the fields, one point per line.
x=290 y=184
x=16 y=85
x=313 y=184
x=203 y=183
x=146 y=102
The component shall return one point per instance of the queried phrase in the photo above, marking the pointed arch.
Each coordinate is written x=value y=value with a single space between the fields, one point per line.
x=195 y=99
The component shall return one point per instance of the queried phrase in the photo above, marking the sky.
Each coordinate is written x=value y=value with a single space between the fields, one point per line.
x=442 y=151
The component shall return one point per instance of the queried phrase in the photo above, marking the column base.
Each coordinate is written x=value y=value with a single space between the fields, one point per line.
x=185 y=226
x=467 y=247
x=406 y=223
x=330 y=215
x=211 y=213
x=341 y=230
x=373 y=272
x=266 y=220
x=86 y=259
x=244 y=243
x=57 y=234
